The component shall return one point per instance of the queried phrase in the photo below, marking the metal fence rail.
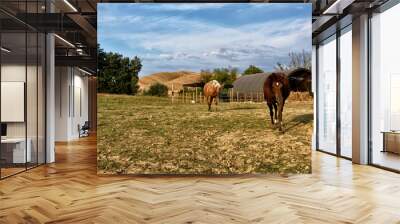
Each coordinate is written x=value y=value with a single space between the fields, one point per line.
x=196 y=96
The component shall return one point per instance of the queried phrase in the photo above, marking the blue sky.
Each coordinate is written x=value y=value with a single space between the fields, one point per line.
x=171 y=37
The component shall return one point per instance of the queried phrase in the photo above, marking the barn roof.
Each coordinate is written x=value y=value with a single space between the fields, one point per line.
x=250 y=83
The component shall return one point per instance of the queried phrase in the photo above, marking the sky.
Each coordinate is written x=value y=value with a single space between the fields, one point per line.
x=194 y=37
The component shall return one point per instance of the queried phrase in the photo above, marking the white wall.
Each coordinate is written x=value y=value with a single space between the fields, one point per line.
x=50 y=97
x=62 y=83
x=81 y=89
x=34 y=125
x=14 y=72
x=71 y=87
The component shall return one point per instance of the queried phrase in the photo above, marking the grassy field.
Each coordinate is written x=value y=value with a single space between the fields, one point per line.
x=150 y=135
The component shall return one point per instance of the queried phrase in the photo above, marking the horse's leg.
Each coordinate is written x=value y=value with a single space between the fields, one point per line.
x=281 y=105
x=279 y=100
x=209 y=101
x=276 y=112
x=271 y=112
x=212 y=98
x=216 y=103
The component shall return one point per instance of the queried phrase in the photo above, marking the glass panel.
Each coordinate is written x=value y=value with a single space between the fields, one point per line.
x=23 y=90
x=327 y=96
x=41 y=99
x=385 y=84
x=32 y=89
x=346 y=92
x=313 y=80
x=31 y=98
x=13 y=87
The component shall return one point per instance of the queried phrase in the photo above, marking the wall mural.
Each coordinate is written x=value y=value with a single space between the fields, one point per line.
x=204 y=88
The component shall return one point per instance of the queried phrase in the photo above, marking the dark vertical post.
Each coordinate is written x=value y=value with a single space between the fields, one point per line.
x=73 y=91
x=45 y=92
x=37 y=89
x=0 y=94
x=317 y=96
x=26 y=85
x=338 y=73
x=369 y=97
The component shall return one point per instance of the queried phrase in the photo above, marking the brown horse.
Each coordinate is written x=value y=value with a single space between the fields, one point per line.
x=300 y=80
x=211 y=92
x=276 y=91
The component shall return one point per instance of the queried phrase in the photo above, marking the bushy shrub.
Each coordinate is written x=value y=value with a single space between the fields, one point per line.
x=252 y=69
x=225 y=76
x=157 y=89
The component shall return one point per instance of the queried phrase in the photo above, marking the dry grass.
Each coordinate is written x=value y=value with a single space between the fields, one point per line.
x=300 y=96
x=150 y=135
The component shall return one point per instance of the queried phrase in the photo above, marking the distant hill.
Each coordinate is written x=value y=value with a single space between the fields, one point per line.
x=175 y=79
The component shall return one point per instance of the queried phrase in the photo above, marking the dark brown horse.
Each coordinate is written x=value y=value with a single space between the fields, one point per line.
x=276 y=91
x=300 y=80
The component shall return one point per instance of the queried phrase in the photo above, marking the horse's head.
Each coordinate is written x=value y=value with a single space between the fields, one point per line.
x=277 y=90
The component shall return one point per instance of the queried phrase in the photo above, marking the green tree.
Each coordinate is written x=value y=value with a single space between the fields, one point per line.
x=117 y=74
x=136 y=65
x=206 y=76
x=157 y=89
x=252 y=69
x=225 y=76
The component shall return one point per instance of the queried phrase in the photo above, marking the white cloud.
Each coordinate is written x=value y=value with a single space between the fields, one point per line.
x=182 y=6
x=110 y=20
x=195 y=45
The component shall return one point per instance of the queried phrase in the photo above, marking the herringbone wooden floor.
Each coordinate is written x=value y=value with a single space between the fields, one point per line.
x=69 y=191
